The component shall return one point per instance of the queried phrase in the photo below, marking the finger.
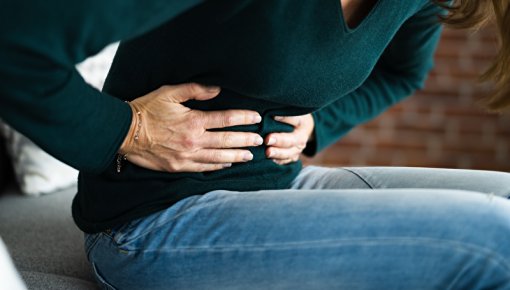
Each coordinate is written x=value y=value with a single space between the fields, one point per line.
x=221 y=156
x=284 y=140
x=284 y=161
x=222 y=140
x=222 y=119
x=190 y=91
x=204 y=167
x=291 y=120
x=282 y=153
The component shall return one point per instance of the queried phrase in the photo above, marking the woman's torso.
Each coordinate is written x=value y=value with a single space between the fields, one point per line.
x=278 y=57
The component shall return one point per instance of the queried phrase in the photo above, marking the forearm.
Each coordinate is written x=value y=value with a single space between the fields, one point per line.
x=73 y=122
x=44 y=97
x=376 y=95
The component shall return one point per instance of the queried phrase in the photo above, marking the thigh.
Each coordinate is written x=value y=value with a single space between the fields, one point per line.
x=489 y=182
x=314 y=239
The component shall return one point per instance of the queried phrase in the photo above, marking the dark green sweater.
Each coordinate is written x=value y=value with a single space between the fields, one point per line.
x=41 y=93
x=278 y=57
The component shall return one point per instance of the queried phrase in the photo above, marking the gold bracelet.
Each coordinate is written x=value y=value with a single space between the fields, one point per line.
x=123 y=157
x=139 y=125
x=138 y=122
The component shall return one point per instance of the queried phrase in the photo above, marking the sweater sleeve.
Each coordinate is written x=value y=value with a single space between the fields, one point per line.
x=401 y=70
x=41 y=93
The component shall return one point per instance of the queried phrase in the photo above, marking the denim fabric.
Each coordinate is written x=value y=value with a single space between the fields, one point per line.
x=336 y=228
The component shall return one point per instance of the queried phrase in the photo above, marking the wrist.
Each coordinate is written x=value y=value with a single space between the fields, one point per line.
x=127 y=144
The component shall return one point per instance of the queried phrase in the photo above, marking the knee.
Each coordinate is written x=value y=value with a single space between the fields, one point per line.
x=485 y=219
x=489 y=182
x=501 y=183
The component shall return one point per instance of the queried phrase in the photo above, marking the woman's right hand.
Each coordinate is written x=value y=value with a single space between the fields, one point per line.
x=175 y=138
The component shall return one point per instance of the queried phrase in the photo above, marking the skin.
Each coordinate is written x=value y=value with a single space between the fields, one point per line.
x=355 y=11
x=284 y=148
x=175 y=138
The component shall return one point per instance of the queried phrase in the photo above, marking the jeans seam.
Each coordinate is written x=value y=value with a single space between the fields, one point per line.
x=106 y=285
x=358 y=175
x=429 y=242
x=89 y=248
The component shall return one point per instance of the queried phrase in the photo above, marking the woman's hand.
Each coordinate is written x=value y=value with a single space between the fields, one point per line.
x=285 y=148
x=175 y=138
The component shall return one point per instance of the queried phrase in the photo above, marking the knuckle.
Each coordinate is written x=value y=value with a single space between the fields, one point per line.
x=228 y=120
x=290 y=140
x=196 y=122
x=164 y=88
x=181 y=156
x=174 y=166
x=284 y=142
x=216 y=156
x=228 y=139
x=188 y=143
x=193 y=88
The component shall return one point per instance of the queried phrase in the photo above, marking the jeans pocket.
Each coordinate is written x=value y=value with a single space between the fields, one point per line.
x=123 y=233
x=102 y=282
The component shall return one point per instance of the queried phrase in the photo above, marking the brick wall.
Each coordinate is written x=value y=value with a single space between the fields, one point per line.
x=440 y=126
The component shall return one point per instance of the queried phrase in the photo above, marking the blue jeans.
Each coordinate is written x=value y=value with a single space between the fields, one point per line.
x=337 y=228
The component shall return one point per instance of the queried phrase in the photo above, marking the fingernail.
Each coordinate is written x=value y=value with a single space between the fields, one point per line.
x=270 y=154
x=212 y=89
x=226 y=165
x=271 y=141
x=278 y=118
x=257 y=119
x=247 y=156
x=259 y=141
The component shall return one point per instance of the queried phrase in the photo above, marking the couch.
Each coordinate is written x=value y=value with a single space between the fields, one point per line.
x=44 y=243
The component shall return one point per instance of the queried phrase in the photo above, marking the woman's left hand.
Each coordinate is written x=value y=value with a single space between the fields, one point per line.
x=285 y=148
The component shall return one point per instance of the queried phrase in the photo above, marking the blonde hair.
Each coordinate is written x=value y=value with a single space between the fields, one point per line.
x=476 y=14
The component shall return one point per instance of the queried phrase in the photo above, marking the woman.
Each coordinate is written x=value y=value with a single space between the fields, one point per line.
x=209 y=226
x=265 y=223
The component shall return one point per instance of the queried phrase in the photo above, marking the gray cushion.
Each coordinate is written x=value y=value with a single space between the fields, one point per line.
x=45 y=245
x=44 y=281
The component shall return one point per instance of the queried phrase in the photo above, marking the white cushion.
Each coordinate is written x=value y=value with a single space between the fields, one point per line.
x=36 y=171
